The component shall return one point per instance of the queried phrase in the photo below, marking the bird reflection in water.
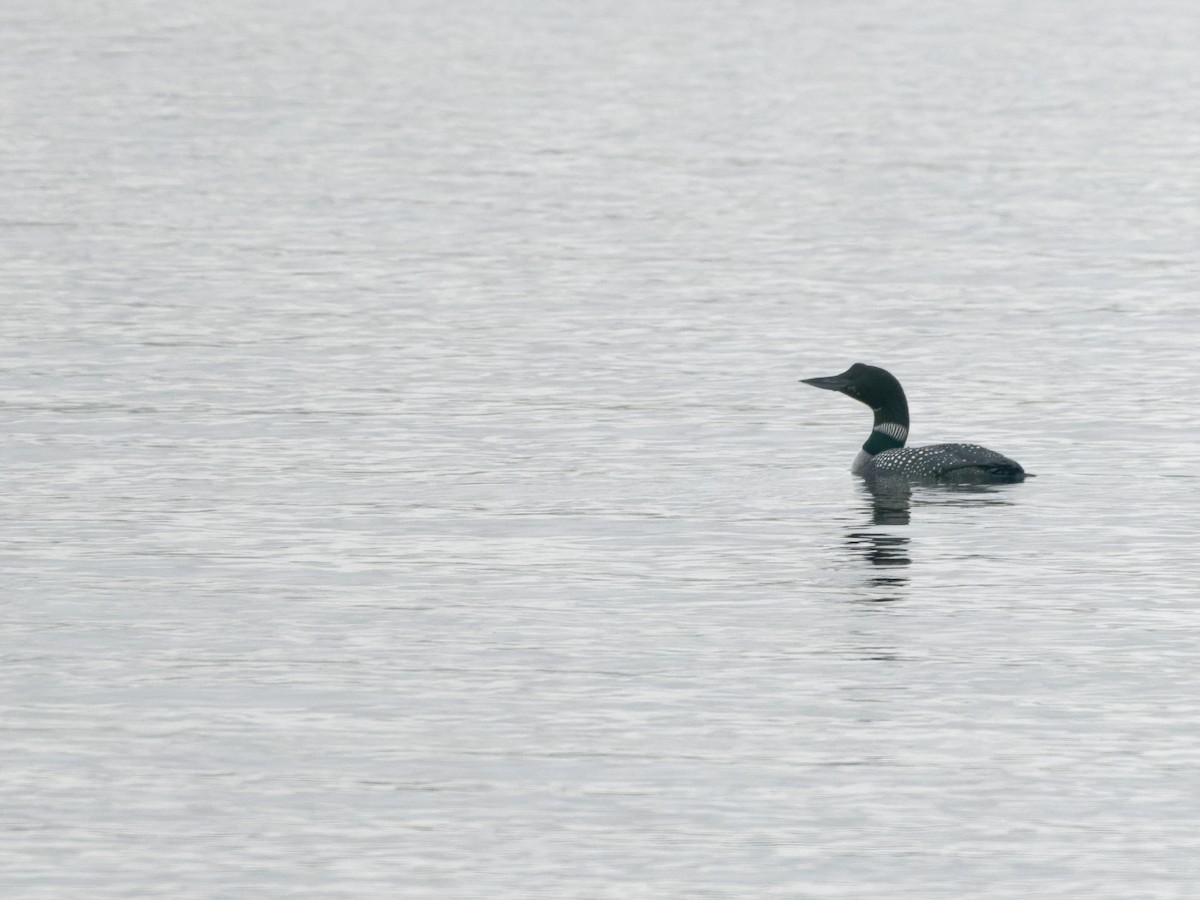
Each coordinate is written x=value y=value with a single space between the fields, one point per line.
x=889 y=505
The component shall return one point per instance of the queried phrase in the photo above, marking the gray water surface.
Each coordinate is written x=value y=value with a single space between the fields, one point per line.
x=408 y=490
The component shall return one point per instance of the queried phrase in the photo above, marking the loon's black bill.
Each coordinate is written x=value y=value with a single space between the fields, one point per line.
x=829 y=382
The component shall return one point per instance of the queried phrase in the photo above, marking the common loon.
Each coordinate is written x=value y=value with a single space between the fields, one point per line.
x=884 y=454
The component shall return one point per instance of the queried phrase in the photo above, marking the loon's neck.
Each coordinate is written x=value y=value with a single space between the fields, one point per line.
x=890 y=430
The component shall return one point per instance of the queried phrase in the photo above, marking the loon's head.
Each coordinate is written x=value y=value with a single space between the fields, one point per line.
x=877 y=388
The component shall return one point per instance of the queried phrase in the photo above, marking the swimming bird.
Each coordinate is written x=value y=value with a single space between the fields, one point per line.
x=884 y=455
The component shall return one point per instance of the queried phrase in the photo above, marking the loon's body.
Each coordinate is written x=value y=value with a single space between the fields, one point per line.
x=884 y=455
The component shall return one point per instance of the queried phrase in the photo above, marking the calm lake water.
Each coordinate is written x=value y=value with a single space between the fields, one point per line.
x=408 y=490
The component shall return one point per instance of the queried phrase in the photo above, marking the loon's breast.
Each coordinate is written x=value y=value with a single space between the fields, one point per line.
x=969 y=463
